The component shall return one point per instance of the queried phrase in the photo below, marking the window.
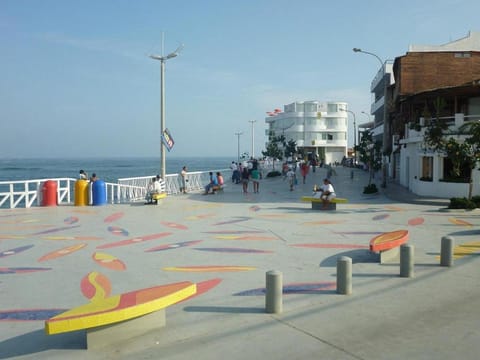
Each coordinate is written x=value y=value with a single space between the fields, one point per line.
x=427 y=168
x=450 y=172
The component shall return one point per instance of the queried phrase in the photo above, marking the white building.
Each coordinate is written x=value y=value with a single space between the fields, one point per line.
x=317 y=128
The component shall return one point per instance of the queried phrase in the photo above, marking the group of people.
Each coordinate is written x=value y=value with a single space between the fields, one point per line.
x=84 y=176
x=215 y=183
x=154 y=187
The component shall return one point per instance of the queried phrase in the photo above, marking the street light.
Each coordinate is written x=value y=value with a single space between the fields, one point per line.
x=369 y=53
x=382 y=64
x=253 y=137
x=238 y=146
x=162 y=60
x=354 y=134
x=367 y=114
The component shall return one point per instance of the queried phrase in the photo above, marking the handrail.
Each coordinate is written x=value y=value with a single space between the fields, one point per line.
x=28 y=193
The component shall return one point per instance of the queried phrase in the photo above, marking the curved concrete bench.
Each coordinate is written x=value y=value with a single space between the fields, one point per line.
x=388 y=244
x=120 y=317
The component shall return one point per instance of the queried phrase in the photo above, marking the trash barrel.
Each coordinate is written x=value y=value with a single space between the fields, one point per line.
x=49 y=193
x=99 y=193
x=81 y=192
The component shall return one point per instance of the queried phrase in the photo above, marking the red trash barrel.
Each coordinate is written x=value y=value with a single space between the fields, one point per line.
x=49 y=193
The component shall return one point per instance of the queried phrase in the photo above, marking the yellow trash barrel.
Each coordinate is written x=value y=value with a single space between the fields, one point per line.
x=81 y=192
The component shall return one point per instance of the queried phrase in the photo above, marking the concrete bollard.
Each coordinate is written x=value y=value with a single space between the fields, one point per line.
x=344 y=275
x=273 y=298
x=406 y=260
x=446 y=252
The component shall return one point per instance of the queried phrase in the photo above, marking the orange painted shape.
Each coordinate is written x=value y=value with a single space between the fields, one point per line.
x=416 y=221
x=61 y=252
x=388 y=240
x=95 y=286
x=108 y=261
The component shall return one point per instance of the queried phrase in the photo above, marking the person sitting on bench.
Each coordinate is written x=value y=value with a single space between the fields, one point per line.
x=153 y=188
x=326 y=192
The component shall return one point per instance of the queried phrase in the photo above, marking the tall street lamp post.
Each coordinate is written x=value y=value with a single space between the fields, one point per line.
x=253 y=137
x=382 y=66
x=238 y=146
x=162 y=60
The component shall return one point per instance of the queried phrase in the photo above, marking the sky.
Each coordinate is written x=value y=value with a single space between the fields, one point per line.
x=76 y=79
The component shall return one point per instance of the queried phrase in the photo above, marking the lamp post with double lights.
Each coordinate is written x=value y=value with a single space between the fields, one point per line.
x=162 y=60
x=238 y=146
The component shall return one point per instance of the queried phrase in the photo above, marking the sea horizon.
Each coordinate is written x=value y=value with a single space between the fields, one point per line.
x=109 y=169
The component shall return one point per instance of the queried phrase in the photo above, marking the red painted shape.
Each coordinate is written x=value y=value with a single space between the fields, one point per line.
x=388 y=240
x=61 y=252
x=416 y=221
x=113 y=217
x=174 y=225
x=134 y=240
x=203 y=287
x=331 y=246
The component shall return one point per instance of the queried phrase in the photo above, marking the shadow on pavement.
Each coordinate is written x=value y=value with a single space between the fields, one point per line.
x=37 y=341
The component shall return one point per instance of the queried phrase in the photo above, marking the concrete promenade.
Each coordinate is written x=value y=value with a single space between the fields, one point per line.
x=434 y=315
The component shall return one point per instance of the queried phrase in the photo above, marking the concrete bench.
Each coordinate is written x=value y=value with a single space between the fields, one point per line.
x=217 y=188
x=387 y=245
x=117 y=318
x=156 y=197
x=317 y=203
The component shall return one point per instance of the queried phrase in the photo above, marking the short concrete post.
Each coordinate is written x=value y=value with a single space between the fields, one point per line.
x=273 y=298
x=344 y=275
x=446 y=253
x=406 y=260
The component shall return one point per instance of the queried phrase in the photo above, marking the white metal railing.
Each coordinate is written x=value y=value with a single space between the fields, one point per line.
x=137 y=187
x=28 y=193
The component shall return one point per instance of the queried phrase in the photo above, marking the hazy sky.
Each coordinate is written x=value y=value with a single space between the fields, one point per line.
x=76 y=79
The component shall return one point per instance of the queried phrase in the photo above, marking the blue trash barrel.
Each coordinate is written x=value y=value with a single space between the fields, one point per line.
x=99 y=193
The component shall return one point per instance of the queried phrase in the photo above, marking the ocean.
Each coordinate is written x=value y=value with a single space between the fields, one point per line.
x=107 y=169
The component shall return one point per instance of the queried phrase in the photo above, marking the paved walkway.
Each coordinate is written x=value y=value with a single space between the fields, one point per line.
x=433 y=315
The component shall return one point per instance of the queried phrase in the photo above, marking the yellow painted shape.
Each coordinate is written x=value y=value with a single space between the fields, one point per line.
x=209 y=268
x=99 y=313
x=459 y=222
x=100 y=292
x=394 y=208
x=466 y=249
x=227 y=237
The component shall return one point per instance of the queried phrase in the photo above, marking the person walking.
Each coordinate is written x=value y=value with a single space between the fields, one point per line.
x=255 y=176
x=245 y=178
x=304 y=168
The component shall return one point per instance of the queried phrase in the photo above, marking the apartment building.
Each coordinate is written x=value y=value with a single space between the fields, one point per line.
x=318 y=128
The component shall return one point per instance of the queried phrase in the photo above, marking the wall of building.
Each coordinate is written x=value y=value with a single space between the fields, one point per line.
x=421 y=71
